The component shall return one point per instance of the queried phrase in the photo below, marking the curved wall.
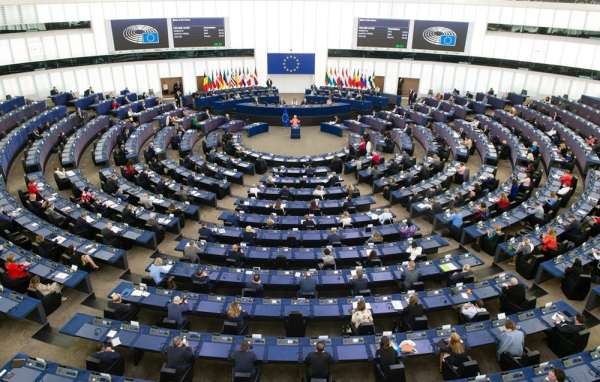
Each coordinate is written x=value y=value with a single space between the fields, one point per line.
x=296 y=26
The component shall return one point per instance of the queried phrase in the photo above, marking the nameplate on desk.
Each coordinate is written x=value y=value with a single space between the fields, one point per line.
x=425 y=263
x=500 y=280
x=353 y=341
x=15 y=296
x=595 y=354
x=474 y=326
x=328 y=301
x=525 y=315
x=160 y=332
x=542 y=368
x=244 y=300
x=258 y=341
x=215 y=268
x=382 y=298
x=512 y=376
x=334 y=272
x=36 y=364
x=497 y=323
x=189 y=335
x=102 y=321
x=445 y=260
x=129 y=327
x=221 y=338
x=166 y=292
x=434 y=292
x=445 y=332
x=479 y=284
x=380 y=269
x=464 y=255
x=300 y=301
x=271 y=301
x=284 y=273
x=314 y=341
x=416 y=336
x=189 y=295
x=548 y=309
x=568 y=362
x=62 y=370
x=285 y=341
x=216 y=298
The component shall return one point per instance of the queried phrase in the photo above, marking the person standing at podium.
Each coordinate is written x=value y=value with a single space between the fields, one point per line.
x=269 y=83
x=295 y=121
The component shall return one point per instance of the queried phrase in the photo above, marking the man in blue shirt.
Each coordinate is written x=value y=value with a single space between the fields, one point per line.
x=106 y=355
x=176 y=310
x=206 y=232
x=456 y=219
x=334 y=237
x=512 y=340
x=234 y=218
x=245 y=361
x=307 y=285
x=255 y=285
x=358 y=282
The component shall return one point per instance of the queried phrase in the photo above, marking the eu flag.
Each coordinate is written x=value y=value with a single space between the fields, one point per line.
x=291 y=63
x=285 y=118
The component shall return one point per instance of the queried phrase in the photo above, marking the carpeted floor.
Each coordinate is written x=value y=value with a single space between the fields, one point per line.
x=18 y=336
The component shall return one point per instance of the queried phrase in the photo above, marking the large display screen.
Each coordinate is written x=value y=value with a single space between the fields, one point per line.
x=135 y=34
x=383 y=33
x=198 y=32
x=446 y=36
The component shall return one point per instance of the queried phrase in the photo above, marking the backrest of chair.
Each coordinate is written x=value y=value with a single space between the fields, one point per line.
x=397 y=373
x=295 y=318
x=481 y=316
x=580 y=340
x=230 y=328
x=248 y=292
x=34 y=293
x=421 y=323
x=167 y=374
x=469 y=368
x=200 y=287
x=92 y=364
x=242 y=377
x=366 y=328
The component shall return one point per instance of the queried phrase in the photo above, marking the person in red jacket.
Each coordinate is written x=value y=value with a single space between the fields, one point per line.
x=33 y=190
x=566 y=179
x=14 y=270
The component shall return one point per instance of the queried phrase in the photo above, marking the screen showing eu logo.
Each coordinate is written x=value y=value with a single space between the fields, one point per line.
x=139 y=34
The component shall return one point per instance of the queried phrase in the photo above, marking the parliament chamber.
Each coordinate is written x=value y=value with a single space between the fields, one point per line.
x=382 y=191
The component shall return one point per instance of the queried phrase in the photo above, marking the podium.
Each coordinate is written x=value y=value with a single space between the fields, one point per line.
x=295 y=132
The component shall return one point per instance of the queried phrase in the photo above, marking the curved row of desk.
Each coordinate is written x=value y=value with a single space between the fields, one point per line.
x=309 y=114
x=79 y=182
x=73 y=211
x=38 y=369
x=549 y=153
x=107 y=142
x=136 y=140
x=105 y=107
x=484 y=146
x=121 y=111
x=264 y=309
x=77 y=142
x=40 y=151
x=190 y=211
x=300 y=208
x=587 y=108
x=459 y=151
x=310 y=256
x=518 y=152
x=477 y=106
x=294 y=350
x=21 y=114
x=199 y=196
x=586 y=157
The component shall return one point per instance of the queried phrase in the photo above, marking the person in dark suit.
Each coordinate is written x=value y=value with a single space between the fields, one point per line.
x=112 y=184
x=413 y=310
x=81 y=224
x=573 y=272
x=245 y=361
x=337 y=165
x=176 y=309
x=206 y=232
x=269 y=83
x=54 y=91
x=572 y=226
x=108 y=233
x=512 y=293
x=234 y=219
x=459 y=277
x=106 y=355
x=236 y=254
x=256 y=285
x=317 y=363
x=180 y=356
x=236 y=314
x=307 y=285
x=123 y=310
x=358 y=282
x=153 y=223
x=565 y=328
x=308 y=223
x=334 y=237
x=129 y=215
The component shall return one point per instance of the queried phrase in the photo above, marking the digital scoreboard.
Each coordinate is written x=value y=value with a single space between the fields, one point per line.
x=198 y=32
x=382 y=33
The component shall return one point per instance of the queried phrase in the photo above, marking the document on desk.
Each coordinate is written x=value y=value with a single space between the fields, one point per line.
x=423 y=205
x=397 y=304
x=111 y=334
x=88 y=219
x=115 y=342
x=221 y=230
x=59 y=239
x=137 y=293
x=145 y=294
x=164 y=221
x=115 y=229
x=61 y=276
x=70 y=173
x=90 y=249
x=448 y=267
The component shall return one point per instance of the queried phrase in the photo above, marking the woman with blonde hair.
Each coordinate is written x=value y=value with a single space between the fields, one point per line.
x=45 y=289
x=236 y=314
x=375 y=238
x=346 y=220
x=549 y=240
x=454 y=353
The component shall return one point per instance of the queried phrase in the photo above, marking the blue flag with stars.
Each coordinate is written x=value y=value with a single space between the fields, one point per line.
x=285 y=118
x=290 y=63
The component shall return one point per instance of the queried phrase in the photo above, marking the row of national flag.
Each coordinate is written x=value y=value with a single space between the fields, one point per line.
x=229 y=78
x=356 y=78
